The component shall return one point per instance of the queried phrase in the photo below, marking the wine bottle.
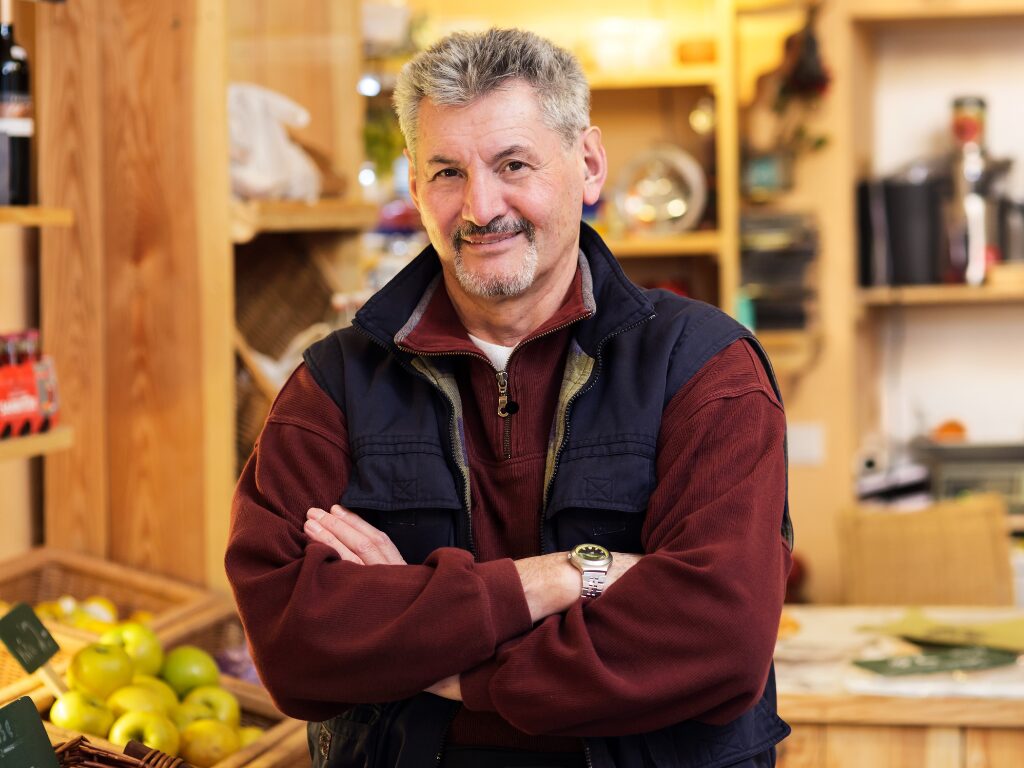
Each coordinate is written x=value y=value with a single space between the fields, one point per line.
x=16 y=124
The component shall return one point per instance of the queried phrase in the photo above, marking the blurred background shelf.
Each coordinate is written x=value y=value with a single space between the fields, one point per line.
x=704 y=74
x=26 y=447
x=924 y=295
x=36 y=216
x=252 y=217
x=688 y=244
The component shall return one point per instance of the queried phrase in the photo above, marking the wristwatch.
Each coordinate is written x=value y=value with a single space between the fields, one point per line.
x=593 y=561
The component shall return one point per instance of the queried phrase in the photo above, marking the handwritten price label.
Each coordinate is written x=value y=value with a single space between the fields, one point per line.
x=26 y=638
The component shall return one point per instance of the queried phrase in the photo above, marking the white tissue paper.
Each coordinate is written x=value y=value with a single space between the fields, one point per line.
x=265 y=162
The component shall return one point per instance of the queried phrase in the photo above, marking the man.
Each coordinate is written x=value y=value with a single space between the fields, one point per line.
x=420 y=543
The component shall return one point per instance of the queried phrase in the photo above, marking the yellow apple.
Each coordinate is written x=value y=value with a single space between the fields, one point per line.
x=78 y=711
x=248 y=734
x=136 y=698
x=189 y=712
x=167 y=693
x=187 y=667
x=206 y=742
x=100 y=670
x=151 y=728
x=221 y=702
x=140 y=642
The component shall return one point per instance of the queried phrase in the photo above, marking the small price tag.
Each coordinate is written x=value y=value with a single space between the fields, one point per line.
x=26 y=637
x=23 y=739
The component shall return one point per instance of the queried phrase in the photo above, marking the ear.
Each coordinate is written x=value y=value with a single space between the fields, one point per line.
x=595 y=165
x=413 y=191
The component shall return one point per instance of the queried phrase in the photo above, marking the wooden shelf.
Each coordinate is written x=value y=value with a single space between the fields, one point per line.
x=936 y=295
x=36 y=216
x=57 y=439
x=251 y=217
x=702 y=243
x=790 y=351
x=923 y=10
x=665 y=77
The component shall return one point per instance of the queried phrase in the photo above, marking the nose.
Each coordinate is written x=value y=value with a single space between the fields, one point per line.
x=483 y=200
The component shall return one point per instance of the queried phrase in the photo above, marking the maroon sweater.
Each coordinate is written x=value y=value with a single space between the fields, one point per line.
x=687 y=633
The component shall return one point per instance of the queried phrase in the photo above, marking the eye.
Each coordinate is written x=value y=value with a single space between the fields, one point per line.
x=447 y=173
x=515 y=165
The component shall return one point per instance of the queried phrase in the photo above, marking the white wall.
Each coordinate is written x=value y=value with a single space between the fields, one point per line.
x=963 y=362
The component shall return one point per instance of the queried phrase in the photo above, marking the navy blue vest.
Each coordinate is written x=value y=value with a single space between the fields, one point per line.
x=410 y=477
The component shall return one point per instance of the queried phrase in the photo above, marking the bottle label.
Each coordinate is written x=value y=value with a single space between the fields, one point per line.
x=19 y=127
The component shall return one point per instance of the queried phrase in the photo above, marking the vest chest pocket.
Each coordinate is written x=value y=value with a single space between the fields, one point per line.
x=404 y=488
x=600 y=495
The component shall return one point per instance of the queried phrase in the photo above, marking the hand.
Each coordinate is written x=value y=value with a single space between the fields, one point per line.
x=354 y=539
x=449 y=688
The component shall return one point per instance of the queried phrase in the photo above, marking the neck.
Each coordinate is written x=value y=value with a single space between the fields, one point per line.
x=507 y=320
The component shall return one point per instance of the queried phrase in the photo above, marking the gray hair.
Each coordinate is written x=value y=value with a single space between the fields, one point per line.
x=462 y=67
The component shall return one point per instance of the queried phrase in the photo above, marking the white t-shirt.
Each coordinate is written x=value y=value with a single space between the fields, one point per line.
x=498 y=354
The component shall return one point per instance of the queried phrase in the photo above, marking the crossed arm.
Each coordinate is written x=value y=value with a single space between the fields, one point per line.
x=550 y=583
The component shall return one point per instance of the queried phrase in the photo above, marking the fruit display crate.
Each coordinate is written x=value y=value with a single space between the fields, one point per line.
x=15 y=682
x=282 y=745
x=218 y=630
x=45 y=574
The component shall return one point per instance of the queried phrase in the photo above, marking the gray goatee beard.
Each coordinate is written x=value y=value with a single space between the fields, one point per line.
x=508 y=284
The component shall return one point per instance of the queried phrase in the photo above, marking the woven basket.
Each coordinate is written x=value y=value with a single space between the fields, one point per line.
x=283 y=745
x=46 y=574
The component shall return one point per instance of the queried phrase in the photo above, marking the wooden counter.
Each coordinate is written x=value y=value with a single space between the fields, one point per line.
x=843 y=716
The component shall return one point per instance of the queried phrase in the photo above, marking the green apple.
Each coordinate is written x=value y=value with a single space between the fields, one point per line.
x=206 y=742
x=136 y=698
x=221 y=702
x=248 y=734
x=140 y=642
x=151 y=728
x=78 y=711
x=187 y=667
x=189 y=712
x=167 y=693
x=100 y=670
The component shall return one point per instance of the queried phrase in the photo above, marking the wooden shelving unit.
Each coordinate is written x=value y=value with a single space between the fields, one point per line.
x=704 y=74
x=250 y=218
x=790 y=351
x=936 y=295
x=923 y=10
x=36 y=216
x=57 y=439
x=703 y=243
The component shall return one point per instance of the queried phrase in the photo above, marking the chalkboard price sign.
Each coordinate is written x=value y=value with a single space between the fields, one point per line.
x=26 y=637
x=23 y=739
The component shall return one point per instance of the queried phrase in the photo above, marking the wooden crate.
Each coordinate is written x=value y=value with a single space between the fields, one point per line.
x=46 y=574
x=15 y=682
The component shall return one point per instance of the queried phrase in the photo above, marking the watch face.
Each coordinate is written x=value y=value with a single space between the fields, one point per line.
x=591 y=553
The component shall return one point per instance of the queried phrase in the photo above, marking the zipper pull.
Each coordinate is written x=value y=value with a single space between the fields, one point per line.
x=502 y=377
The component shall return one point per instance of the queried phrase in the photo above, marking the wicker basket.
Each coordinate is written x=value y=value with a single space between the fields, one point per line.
x=15 y=682
x=283 y=745
x=46 y=574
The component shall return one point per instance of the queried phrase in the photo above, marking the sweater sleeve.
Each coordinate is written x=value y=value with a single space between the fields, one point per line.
x=689 y=631
x=326 y=633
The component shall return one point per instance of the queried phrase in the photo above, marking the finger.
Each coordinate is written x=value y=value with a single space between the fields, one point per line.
x=315 y=531
x=366 y=548
x=383 y=542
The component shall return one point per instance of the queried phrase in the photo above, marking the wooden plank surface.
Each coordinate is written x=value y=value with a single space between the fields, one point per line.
x=921 y=10
x=57 y=439
x=858 y=747
x=804 y=748
x=875 y=710
x=993 y=748
x=932 y=295
x=73 y=292
x=703 y=243
x=251 y=217
x=36 y=216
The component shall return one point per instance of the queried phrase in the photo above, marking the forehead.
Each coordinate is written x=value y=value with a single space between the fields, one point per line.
x=507 y=116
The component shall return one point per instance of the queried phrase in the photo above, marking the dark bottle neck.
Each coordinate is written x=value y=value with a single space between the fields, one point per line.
x=7 y=31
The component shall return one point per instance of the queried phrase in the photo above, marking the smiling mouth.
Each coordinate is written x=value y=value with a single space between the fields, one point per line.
x=490 y=239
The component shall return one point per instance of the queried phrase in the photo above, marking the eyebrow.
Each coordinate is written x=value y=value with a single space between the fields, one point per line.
x=515 y=149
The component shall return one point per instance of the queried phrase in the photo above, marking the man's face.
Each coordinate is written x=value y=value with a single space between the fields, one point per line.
x=499 y=193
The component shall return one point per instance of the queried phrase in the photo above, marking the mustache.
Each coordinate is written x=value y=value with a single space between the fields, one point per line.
x=497 y=226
